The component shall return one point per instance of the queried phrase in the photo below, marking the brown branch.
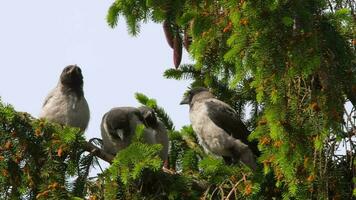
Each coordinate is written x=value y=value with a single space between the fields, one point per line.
x=98 y=152
x=233 y=189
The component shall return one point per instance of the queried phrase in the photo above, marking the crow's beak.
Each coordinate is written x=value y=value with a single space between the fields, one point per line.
x=185 y=100
x=120 y=133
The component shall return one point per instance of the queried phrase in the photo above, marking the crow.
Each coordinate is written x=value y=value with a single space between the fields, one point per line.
x=66 y=103
x=218 y=128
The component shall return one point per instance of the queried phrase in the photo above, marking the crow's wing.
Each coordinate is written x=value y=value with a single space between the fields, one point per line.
x=120 y=118
x=227 y=119
x=49 y=96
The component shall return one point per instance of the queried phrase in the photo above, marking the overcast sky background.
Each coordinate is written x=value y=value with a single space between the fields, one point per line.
x=40 y=37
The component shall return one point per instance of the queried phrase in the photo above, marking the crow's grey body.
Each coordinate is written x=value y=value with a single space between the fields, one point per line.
x=66 y=103
x=158 y=130
x=210 y=121
x=162 y=138
x=118 y=127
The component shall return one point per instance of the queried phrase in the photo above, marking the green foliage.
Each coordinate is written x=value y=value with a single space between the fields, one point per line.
x=184 y=72
x=36 y=157
x=138 y=155
x=136 y=173
x=80 y=184
x=294 y=62
x=215 y=170
x=291 y=62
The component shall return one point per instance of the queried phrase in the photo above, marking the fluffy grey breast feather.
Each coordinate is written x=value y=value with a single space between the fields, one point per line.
x=66 y=103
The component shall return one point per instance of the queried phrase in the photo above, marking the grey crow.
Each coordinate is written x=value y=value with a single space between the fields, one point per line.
x=158 y=129
x=218 y=128
x=118 y=127
x=66 y=103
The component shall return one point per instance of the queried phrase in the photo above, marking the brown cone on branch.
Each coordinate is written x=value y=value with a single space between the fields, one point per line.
x=167 y=28
x=177 y=50
x=187 y=39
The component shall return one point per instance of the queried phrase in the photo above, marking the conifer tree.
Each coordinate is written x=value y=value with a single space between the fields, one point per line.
x=292 y=62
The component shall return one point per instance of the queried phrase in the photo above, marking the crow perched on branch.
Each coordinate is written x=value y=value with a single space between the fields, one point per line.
x=66 y=103
x=218 y=128
x=118 y=127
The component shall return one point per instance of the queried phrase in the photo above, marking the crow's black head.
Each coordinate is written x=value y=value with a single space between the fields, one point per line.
x=72 y=76
x=188 y=96
x=149 y=116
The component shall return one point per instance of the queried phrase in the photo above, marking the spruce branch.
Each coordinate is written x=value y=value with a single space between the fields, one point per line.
x=186 y=72
x=112 y=16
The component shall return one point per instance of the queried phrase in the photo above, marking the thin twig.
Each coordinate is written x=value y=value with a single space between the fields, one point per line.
x=233 y=189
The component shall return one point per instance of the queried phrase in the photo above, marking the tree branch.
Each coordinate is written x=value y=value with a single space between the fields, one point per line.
x=98 y=152
x=200 y=185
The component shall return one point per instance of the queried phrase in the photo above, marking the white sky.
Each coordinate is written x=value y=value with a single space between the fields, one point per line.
x=40 y=37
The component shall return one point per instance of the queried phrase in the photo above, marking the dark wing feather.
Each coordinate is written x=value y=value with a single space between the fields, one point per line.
x=226 y=118
x=119 y=118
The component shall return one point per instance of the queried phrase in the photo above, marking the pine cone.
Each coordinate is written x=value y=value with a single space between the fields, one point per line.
x=177 y=50
x=168 y=33
x=187 y=40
